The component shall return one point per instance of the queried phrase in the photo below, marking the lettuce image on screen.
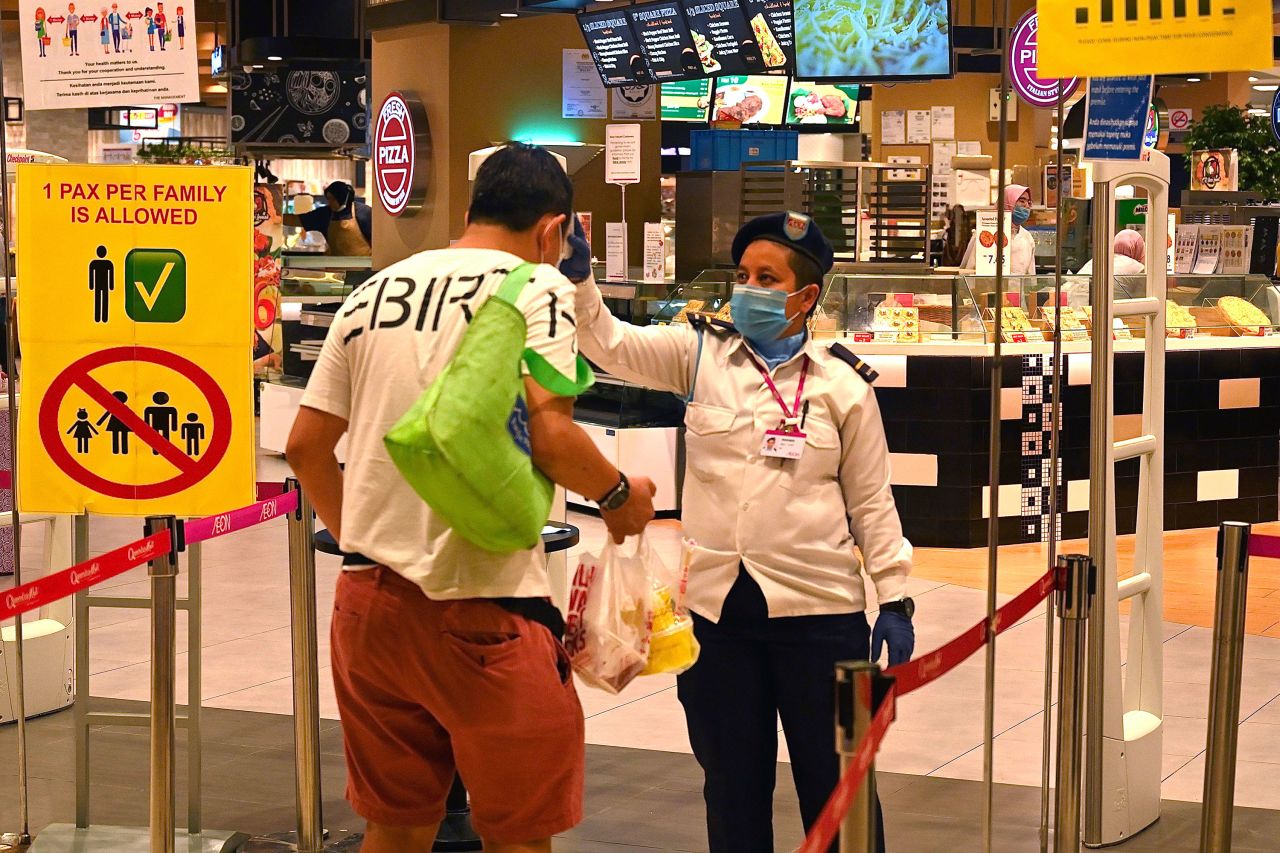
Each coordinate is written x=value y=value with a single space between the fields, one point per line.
x=872 y=38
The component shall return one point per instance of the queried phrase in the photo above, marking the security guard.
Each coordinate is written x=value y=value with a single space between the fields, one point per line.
x=787 y=471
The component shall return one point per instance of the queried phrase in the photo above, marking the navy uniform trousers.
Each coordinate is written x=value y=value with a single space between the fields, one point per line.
x=752 y=670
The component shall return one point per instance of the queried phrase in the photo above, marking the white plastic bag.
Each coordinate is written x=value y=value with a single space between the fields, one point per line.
x=611 y=615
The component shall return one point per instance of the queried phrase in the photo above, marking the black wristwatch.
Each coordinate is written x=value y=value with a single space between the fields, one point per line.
x=617 y=496
x=906 y=607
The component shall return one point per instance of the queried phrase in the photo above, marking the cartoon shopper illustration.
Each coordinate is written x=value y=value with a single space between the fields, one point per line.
x=42 y=29
x=82 y=431
x=151 y=27
x=162 y=24
x=116 y=21
x=73 y=30
x=118 y=429
x=182 y=30
x=104 y=31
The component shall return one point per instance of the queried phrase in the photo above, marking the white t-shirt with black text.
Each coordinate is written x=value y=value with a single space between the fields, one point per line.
x=391 y=338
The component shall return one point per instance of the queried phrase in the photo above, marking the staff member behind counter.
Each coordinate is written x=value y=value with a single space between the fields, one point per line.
x=346 y=223
x=788 y=471
x=1022 y=246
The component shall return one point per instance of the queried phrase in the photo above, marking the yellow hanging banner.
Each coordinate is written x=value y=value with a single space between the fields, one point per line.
x=1112 y=38
x=134 y=287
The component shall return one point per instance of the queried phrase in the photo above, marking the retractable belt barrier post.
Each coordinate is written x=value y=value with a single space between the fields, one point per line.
x=163 y=571
x=1075 y=600
x=855 y=708
x=306 y=674
x=1224 y=689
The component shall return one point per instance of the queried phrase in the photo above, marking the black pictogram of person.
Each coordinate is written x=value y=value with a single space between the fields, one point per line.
x=161 y=417
x=118 y=429
x=102 y=280
x=193 y=433
x=82 y=431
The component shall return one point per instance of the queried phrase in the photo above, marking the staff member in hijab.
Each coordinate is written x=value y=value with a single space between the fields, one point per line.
x=345 y=222
x=788 y=472
x=1022 y=246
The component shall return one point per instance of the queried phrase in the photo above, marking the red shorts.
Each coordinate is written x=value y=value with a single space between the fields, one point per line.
x=426 y=687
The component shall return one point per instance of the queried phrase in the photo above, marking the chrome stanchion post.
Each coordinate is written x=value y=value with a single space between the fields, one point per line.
x=306 y=675
x=163 y=571
x=1224 y=687
x=855 y=706
x=1075 y=600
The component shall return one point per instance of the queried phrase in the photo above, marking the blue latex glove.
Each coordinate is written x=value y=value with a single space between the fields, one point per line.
x=896 y=630
x=578 y=267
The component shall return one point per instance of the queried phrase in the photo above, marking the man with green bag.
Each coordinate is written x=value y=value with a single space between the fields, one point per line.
x=446 y=654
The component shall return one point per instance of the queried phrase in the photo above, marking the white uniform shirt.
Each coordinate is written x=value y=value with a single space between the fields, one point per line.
x=792 y=524
x=389 y=341
x=1022 y=253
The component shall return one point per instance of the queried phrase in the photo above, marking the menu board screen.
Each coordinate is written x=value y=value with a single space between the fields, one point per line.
x=754 y=99
x=820 y=104
x=688 y=100
x=665 y=40
x=615 y=48
x=839 y=40
x=722 y=37
x=774 y=30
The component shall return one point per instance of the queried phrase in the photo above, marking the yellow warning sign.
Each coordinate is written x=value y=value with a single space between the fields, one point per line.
x=133 y=291
x=1112 y=38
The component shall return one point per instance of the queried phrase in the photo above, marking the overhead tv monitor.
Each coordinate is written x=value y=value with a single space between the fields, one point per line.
x=756 y=99
x=827 y=106
x=872 y=40
x=614 y=47
x=722 y=37
x=773 y=27
x=665 y=40
x=687 y=100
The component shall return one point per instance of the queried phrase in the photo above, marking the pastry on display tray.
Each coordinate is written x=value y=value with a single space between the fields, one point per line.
x=900 y=321
x=1073 y=327
x=1178 y=321
x=1245 y=317
x=693 y=306
x=1014 y=319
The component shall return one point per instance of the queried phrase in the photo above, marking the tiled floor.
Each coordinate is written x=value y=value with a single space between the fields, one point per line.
x=938 y=734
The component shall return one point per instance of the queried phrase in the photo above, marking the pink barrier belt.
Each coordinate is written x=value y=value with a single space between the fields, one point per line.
x=203 y=529
x=80 y=577
x=1261 y=545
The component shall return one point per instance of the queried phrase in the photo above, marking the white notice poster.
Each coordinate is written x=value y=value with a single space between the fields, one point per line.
x=1185 y=243
x=655 y=253
x=1234 y=259
x=893 y=127
x=987 y=236
x=944 y=122
x=582 y=94
x=635 y=102
x=942 y=154
x=103 y=55
x=969 y=148
x=918 y=127
x=615 y=251
x=622 y=154
x=1208 y=250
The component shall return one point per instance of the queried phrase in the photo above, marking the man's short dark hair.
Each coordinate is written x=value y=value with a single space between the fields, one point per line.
x=517 y=186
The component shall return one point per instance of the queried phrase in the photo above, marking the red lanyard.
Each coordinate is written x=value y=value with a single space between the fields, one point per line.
x=793 y=413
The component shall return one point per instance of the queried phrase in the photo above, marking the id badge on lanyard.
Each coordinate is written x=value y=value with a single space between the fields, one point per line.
x=787 y=441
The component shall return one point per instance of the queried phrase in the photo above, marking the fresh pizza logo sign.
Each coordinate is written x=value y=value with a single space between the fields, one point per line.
x=393 y=154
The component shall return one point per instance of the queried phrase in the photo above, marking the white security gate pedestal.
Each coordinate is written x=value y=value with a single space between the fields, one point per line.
x=1126 y=710
x=66 y=838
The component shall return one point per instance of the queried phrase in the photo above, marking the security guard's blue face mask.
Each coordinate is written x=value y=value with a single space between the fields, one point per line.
x=1021 y=215
x=759 y=313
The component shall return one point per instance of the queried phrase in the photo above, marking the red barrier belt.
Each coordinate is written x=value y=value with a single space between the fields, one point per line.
x=80 y=577
x=826 y=827
x=269 y=490
x=929 y=668
x=1264 y=546
x=203 y=529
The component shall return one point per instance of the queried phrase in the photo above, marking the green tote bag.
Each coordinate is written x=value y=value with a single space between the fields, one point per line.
x=464 y=445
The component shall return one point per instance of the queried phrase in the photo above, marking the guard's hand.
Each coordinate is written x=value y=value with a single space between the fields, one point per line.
x=578 y=268
x=896 y=630
x=630 y=519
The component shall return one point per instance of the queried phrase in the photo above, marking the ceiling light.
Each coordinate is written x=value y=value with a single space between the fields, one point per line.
x=1193 y=79
x=257 y=66
x=1253 y=79
x=508 y=15
x=275 y=59
x=1257 y=112
x=1270 y=87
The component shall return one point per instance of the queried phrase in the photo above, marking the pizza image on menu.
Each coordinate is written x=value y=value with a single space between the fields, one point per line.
x=774 y=56
x=710 y=64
